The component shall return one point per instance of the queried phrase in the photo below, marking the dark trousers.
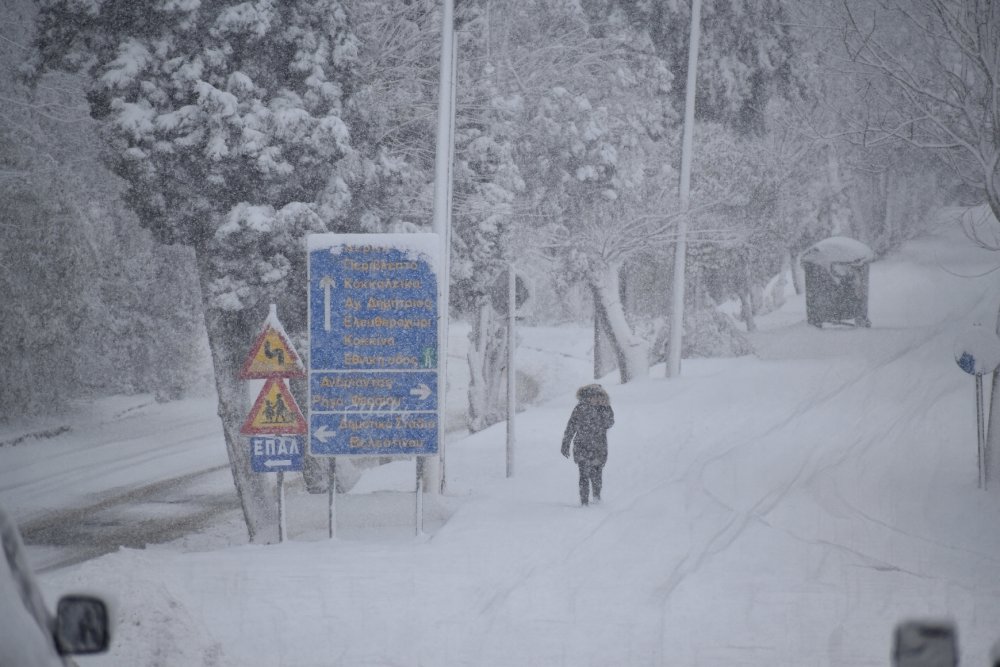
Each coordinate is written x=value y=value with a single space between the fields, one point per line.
x=590 y=480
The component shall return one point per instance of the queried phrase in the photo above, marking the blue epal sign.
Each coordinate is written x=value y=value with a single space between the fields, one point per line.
x=276 y=453
x=373 y=362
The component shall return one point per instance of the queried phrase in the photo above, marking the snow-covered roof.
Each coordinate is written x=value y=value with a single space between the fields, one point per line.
x=838 y=249
x=977 y=350
x=424 y=242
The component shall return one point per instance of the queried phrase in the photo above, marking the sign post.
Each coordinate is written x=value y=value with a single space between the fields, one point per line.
x=977 y=352
x=511 y=366
x=507 y=294
x=275 y=424
x=373 y=342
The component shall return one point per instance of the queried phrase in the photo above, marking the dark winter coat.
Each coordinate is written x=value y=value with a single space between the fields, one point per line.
x=588 y=426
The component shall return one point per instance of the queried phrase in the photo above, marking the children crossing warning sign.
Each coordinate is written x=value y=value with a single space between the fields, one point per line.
x=272 y=354
x=274 y=412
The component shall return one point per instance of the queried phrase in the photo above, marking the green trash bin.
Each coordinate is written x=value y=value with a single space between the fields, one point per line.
x=837 y=281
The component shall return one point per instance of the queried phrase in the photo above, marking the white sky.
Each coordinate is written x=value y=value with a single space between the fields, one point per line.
x=783 y=509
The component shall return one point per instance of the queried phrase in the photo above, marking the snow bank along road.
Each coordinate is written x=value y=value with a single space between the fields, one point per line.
x=133 y=473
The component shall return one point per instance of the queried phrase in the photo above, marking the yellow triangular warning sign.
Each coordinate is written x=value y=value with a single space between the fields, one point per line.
x=272 y=355
x=274 y=412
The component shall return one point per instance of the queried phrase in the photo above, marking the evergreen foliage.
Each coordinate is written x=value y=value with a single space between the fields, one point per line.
x=236 y=128
x=91 y=305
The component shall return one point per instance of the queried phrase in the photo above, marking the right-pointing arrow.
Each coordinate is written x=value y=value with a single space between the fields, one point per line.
x=422 y=391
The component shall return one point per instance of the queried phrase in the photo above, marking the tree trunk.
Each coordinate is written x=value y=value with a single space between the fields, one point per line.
x=631 y=350
x=486 y=359
x=798 y=275
x=776 y=295
x=855 y=225
x=747 y=306
x=230 y=335
x=605 y=359
x=888 y=189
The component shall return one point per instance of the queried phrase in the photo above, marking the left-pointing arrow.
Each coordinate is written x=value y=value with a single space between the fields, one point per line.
x=322 y=434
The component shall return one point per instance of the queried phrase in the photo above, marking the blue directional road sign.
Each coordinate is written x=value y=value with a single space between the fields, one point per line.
x=373 y=391
x=276 y=453
x=373 y=342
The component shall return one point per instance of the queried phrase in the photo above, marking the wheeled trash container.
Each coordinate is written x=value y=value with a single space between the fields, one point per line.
x=837 y=281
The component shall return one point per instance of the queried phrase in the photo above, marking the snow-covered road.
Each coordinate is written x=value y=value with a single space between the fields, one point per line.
x=127 y=472
x=784 y=509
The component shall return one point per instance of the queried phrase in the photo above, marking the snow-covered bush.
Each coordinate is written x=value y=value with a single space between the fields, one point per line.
x=708 y=333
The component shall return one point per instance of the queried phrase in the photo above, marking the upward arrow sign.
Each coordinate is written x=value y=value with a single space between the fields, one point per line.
x=326 y=282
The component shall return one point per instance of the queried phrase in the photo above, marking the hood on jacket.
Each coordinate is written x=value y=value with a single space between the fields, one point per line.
x=593 y=393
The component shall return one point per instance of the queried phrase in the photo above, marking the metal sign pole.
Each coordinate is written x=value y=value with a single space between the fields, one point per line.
x=418 y=521
x=980 y=431
x=444 y=150
x=332 y=498
x=282 y=531
x=977 y=352
x=511 y=372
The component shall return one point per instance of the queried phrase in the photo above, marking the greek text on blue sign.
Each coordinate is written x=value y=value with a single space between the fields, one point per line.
x=373 y=340
x=276 y=453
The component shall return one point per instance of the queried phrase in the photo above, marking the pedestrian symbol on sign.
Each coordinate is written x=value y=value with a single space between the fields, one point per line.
x=275 y=412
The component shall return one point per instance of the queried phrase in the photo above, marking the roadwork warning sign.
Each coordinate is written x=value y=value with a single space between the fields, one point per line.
x=272 y=355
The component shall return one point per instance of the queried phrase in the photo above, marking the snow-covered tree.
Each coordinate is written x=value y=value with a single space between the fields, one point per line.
x=225 y=119
x=392 y=113
x=934 y=66
x=744 y=58
x=935 y=70
x=487 y=184
x=84 y=301
x=587 y=110
x=874 y=191
x=596 y=189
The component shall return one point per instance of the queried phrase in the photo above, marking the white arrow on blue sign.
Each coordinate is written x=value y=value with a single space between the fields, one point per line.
x=274 y=453
x=373 y=342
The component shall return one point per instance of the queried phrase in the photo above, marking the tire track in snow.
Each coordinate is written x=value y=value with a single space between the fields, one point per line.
x=105 y=526
x=490 y=612
x=726 y=535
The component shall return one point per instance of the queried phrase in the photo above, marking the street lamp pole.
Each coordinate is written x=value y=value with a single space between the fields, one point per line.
x=680 y=249
x=442 y=214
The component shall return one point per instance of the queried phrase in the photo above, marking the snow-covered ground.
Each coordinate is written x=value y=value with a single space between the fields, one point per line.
x=783 y=509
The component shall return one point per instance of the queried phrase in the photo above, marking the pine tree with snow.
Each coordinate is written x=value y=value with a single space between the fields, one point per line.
x=226 y=121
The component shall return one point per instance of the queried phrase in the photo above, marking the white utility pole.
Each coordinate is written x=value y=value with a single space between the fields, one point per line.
x=511 y=368
x=442 y=215
x=680 y=250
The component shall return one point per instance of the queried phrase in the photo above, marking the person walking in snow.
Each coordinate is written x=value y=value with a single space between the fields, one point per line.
x=587 y=432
